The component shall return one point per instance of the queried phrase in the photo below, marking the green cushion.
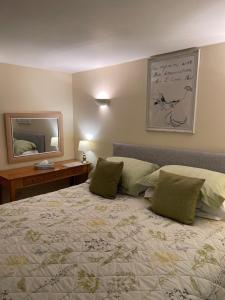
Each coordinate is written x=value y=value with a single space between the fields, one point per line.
x=133 y=171
x=106 y=178
x=20 y=146
x=176 y=197
x=213 y=190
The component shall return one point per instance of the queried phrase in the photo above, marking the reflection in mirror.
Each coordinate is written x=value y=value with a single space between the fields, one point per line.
x=33 y=135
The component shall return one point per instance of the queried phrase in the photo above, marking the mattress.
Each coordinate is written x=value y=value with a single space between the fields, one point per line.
x=71 y=244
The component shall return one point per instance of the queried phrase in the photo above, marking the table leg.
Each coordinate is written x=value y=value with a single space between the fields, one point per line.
x=80 y=178
x=12 y=192
x=72 y=180
x=1 y=194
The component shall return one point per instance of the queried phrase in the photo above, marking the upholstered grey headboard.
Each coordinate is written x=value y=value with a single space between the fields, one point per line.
x=170 y=156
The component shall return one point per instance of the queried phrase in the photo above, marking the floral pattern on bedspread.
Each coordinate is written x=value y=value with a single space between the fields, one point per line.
x=72 y=244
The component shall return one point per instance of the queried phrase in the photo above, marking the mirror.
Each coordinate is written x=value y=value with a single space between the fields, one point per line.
x=33 y=136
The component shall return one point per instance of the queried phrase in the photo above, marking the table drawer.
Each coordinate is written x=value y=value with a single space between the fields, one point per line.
x=76 y=171
x=33 y=180
x=65 y=173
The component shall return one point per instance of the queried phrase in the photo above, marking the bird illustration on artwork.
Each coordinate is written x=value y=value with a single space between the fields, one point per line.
x=168 y=104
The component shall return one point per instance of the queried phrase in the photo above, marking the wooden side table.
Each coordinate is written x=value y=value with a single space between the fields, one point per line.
x=20 y=178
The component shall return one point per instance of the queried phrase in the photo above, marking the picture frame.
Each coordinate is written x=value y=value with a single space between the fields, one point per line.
x=171 y=91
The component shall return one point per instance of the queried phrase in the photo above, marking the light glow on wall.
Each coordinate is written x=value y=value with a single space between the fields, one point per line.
x=104 y=107
x=89 y=136
x=102 y=95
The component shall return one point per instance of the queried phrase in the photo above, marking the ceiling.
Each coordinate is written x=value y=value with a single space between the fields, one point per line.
x=77 y=35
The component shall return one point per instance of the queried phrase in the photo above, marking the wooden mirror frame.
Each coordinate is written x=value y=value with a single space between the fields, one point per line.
x=9 y=136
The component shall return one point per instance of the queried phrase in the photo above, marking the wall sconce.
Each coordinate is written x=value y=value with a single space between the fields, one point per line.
x=102 y=102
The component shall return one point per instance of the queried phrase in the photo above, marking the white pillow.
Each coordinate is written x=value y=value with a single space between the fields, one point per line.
x=204 y=211
x=149 y=193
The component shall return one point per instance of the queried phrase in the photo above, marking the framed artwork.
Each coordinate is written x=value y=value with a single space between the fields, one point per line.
x=172 y=87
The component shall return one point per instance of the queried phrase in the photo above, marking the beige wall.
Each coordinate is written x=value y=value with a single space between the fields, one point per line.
x=124 y=121
x=29 y=90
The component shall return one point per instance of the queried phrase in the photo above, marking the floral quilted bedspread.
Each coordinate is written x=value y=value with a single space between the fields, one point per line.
x=72 y=244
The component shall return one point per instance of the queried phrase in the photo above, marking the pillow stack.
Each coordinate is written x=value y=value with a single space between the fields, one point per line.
x=180 y=192
x=176 y=197
x=212 y=192
x=119 y=173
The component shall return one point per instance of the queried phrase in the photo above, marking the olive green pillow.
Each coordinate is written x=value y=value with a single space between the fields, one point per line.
x=176 y=197
x=133 y=170
x=106 y=178
x=213 y=190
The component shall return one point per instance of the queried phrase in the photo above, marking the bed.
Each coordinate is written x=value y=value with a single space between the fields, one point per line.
x=71 y=244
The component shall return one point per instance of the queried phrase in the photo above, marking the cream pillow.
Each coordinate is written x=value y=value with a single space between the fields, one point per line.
x=133 y=170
